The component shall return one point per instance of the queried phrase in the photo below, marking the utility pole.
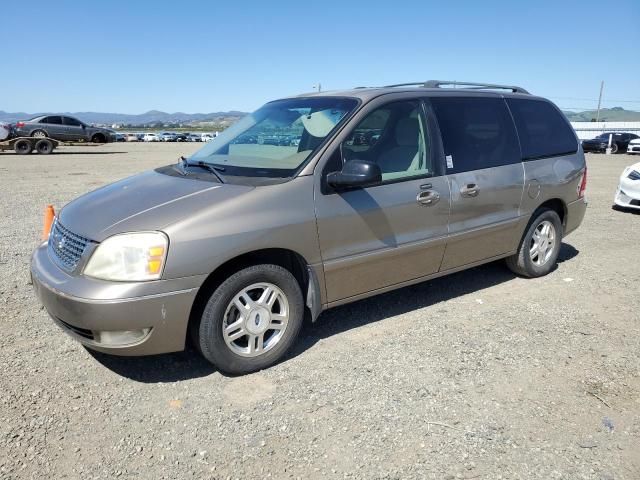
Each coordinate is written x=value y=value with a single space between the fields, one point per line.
x=599 y=100
x=318 y=86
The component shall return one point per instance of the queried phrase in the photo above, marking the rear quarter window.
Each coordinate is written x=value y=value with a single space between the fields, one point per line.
x=477 y=132
x=542 y=129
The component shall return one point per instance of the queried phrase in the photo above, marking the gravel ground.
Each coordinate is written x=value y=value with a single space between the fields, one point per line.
x=477 y=375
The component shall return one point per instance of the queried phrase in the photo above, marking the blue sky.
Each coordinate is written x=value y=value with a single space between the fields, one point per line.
x=199 y=56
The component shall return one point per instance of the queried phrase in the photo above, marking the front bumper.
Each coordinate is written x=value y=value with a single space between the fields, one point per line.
x=626 y=199
x=85 y=308
x=633 y=149
x=594 y=148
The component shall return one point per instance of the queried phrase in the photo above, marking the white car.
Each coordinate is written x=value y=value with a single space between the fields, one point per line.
x=634 y=147
x=151 y=137
x=628 y=192
x=168 y=137
x=207 y=137
x=5 y=131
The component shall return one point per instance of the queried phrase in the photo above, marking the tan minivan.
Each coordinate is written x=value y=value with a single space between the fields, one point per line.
x=311 y=202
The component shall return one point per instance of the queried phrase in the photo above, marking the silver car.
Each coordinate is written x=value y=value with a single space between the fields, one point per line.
x=234 y=246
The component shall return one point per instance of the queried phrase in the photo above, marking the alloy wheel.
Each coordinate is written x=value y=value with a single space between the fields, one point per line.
x=255 y=319
x=542 y=243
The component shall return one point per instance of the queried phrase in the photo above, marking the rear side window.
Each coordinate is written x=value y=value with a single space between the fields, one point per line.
x=477 y=132
x=542 y=130
x=52 y=120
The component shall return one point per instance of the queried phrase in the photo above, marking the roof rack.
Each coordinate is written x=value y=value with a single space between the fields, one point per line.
x=467 y=85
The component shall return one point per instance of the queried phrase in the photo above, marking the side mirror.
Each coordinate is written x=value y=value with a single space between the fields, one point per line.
x=356 y=173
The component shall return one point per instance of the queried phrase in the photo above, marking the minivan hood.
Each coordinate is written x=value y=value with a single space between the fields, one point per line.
x=148 y=201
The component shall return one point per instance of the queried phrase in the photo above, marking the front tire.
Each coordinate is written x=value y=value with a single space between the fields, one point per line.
x=614 y=147
x=539 y=248
x=251 y=320
x=98 y=138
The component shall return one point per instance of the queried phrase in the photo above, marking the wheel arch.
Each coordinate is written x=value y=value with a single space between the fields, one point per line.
x=98 y=134
x=39 y=129
x=285 y=258
x=558 y=206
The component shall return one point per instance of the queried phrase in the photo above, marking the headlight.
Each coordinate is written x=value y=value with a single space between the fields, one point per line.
x=132 y=257
x=634 y=175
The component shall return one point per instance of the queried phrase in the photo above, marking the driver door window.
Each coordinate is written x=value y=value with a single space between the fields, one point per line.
x=394 y=137
x=71 y=122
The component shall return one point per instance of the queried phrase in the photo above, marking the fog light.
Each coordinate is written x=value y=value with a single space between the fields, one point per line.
x=121 y=337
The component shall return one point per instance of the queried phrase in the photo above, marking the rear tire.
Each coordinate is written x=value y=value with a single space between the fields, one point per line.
x=540 y=245
x=39 y=133
x=244 y=300
x=23 y=147
x=44 y=146
x=614 y=148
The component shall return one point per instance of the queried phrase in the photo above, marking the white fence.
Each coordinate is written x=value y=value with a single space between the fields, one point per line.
x=587 y=130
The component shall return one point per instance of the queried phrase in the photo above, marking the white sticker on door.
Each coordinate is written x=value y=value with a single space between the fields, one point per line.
x=449 y=161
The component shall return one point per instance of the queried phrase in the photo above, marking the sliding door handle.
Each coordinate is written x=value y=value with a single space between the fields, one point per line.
x=470 y=190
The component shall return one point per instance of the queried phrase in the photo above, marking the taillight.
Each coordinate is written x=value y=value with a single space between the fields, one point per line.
x=19 y=124
x=583 y=184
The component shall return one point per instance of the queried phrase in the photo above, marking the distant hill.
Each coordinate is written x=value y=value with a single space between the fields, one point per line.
x=152 y=116
x=615 y=114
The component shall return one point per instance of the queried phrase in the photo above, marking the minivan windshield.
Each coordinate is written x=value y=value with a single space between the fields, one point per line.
x=277 y=139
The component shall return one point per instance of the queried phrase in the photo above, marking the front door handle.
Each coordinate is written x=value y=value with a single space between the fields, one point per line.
x=470 y=190
x=428 y=197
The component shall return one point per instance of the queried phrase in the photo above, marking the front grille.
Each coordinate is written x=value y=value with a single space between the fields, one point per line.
x=591 y=148
x=66 y=247
x=635 y=149
x=635 y=203
x=83 y=332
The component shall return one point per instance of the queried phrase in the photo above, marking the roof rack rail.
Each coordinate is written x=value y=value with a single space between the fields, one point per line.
x=412 y=84
x=474 y=85
x=467 y=85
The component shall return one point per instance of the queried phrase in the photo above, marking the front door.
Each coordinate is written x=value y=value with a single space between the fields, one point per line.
x=73 y=130
x=380 y=236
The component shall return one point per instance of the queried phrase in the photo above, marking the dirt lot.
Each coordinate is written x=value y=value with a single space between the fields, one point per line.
x=476 y=375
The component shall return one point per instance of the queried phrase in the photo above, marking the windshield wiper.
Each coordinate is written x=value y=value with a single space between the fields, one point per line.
x=184 y=163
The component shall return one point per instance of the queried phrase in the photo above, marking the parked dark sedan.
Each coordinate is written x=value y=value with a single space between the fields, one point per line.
x=619 y=142
x=63 y=128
